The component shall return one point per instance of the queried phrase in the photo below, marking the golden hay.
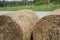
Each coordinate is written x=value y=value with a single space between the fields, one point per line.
x=25 y=19
x=9 y=30
x=47 y=28
x=29 y=18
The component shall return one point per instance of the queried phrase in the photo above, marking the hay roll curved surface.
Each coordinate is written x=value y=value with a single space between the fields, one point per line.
x=28 y=19
x=25 y=19
x=9 y=29
x=48 y=28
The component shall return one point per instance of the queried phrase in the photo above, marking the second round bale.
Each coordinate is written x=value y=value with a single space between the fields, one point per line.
x=48 y=27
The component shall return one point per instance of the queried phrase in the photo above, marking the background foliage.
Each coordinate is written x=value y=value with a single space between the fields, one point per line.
x=34 y=5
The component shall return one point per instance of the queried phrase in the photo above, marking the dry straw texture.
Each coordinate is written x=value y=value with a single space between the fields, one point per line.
x=25 y=20
x=48 y=28
x=28 y=18
x=9 y=30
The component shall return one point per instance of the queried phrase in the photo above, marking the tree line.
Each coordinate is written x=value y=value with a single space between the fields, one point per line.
x=25 y=2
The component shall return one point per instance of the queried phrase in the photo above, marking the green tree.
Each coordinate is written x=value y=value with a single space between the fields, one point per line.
x=25 y=2
x=3 y=3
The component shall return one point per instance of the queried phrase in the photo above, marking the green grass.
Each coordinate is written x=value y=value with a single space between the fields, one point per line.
x=35 y=8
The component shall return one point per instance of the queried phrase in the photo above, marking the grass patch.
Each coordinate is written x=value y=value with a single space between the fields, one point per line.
x=35 y=8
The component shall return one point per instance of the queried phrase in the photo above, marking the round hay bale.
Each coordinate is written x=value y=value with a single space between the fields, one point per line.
x=25 y=19
x=47 y=28
x=9 y=29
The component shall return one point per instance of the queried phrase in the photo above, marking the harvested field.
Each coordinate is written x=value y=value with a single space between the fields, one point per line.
x=25 y=21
